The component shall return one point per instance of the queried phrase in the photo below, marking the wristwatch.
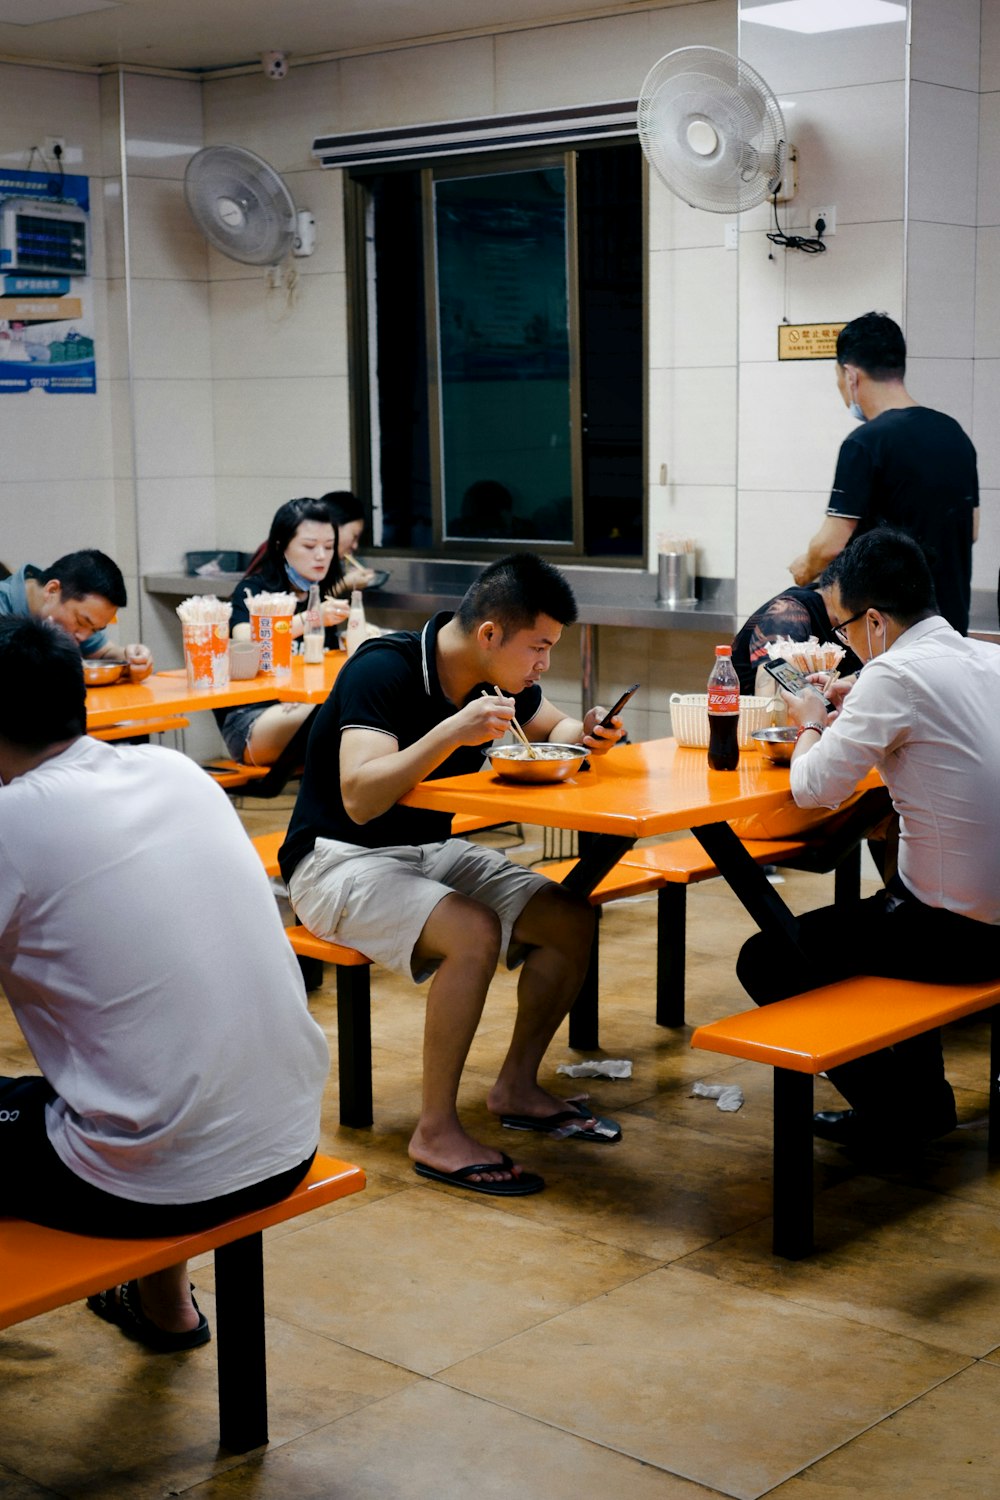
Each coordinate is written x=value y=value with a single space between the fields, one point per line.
x=803 y=727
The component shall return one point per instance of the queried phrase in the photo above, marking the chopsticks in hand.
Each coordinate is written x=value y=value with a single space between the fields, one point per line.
x=515 y=726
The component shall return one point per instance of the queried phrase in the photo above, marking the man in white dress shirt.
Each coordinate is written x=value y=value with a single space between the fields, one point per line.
x=925 y=712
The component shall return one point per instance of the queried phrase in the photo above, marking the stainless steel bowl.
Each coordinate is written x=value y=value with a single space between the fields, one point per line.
x=555 y=762
x=99 y=673
x=777 y=743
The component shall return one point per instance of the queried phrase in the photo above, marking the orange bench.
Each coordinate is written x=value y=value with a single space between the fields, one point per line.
x=811 y=1033
x=41 y=1269
x=669 y=869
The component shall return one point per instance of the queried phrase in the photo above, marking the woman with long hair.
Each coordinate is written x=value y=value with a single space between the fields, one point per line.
x=300 y=550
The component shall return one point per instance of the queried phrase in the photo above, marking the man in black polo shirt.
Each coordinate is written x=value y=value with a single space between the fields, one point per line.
x=906 y=466
x=388 y=880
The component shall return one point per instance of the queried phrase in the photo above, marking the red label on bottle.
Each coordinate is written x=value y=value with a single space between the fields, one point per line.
x=723 y=700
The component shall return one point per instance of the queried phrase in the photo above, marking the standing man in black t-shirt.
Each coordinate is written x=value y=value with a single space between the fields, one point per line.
x=906 y=466
x=388 y=880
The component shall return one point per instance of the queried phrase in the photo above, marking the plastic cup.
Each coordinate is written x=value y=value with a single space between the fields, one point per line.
x=206 y=655
x=274 y=632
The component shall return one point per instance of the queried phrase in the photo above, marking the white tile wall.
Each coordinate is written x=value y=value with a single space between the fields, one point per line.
x=989 y=156
x=37 y=102
x=989 y=43
x=773 y=528
x=586 y=62
x=163 y=124
x=941 y=289
x=257 y=331
x=58 y=437
x=792 y=422
x=705 y=512
x=986 y=552
x=692 y=425
x=850 y=142
x=692 y=308
x=675 y=225
x=861 y=269
x=173 y=428
x=279 y=119
x=944 y=42
x=790 y=61
x=163 y=238
x=945 y=384
x=985 y=427
x=178 y=516
x=416 y=85
x=281 y=427
x=988 y=293
x=170 y=329
x=944 y=138
x=46 y=517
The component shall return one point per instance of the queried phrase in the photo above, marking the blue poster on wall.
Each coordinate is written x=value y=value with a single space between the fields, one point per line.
x=46 y=313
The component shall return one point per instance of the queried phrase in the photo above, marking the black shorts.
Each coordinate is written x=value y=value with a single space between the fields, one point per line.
x=36 y=1185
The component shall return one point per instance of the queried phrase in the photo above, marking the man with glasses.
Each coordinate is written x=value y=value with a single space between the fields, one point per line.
x=923 y=712
x=905 y=466
x=80 y=593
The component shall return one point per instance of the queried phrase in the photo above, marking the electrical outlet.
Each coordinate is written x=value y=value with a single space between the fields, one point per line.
x=50 y=151
x=828 y=215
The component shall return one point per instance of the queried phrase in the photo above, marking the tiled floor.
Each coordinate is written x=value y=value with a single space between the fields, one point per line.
x=627 y=1331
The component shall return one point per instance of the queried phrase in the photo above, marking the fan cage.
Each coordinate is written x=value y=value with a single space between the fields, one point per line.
x=232 y=181
x=705 y=84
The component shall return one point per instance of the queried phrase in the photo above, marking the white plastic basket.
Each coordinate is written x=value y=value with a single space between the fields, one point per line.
x=689 y=719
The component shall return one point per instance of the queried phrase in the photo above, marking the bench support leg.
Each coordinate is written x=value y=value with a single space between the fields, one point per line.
x=354 y=1045
x=241 y=1354
x=671 y=920
x=793 y=1164
x=993 y=1135
x=584 y=1024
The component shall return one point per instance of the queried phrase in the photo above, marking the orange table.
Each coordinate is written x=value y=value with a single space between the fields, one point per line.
x=168 y=693
x=633 y=792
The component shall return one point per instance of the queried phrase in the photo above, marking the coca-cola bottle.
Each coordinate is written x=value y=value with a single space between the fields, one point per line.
x=723 y=712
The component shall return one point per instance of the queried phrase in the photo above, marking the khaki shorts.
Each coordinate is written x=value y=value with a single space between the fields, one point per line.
x=378 y=900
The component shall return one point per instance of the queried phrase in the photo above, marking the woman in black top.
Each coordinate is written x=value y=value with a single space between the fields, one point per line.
x=301 y=550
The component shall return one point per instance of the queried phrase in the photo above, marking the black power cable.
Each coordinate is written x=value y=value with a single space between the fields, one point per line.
x=802 y=242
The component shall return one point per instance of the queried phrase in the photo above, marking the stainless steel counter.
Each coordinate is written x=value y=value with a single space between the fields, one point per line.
x=605 y=596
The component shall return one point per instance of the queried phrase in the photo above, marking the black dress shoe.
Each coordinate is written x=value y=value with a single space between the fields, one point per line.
x=857 y=1132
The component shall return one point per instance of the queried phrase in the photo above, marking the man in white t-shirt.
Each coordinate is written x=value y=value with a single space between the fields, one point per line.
x=144 y=959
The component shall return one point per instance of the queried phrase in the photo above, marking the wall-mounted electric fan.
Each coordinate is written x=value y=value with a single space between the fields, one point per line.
x=712 y=129
x=243 y=208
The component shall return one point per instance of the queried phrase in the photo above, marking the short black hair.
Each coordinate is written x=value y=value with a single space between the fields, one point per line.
x=875 y=344
x=884 y=569
x=87 y=572
x=344 y=506
x=514 y=591
x=44 y=698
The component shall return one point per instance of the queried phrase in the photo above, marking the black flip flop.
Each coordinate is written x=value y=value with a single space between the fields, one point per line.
x=576 y=1123
x=122 y=1306
x=518 y=1186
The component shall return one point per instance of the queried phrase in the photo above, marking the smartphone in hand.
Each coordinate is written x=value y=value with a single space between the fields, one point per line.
x=613 y=713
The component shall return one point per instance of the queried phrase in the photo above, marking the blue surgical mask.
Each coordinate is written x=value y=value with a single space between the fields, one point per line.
x=296 y=578
x=856 y=412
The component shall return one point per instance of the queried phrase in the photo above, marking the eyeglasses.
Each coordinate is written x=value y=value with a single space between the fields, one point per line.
x=838 y=630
